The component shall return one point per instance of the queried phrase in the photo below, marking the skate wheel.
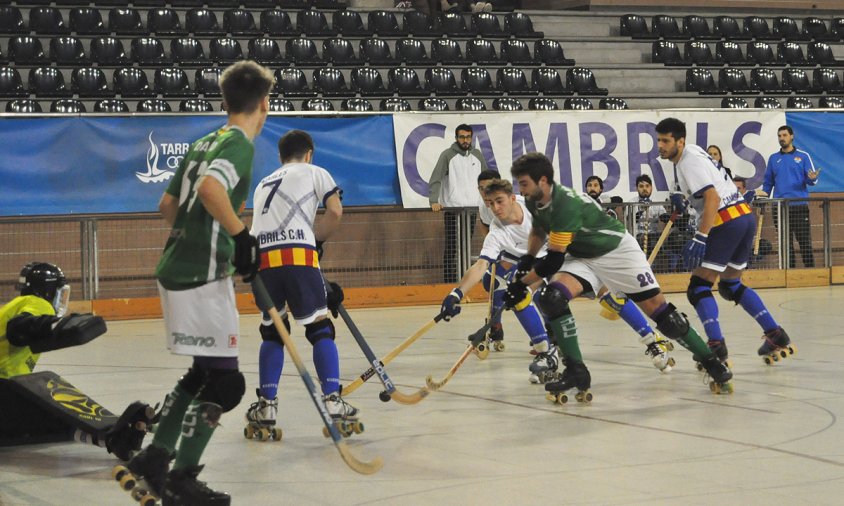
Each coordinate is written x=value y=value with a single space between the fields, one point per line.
x=147 y=500
x=384 y=396
x=669 y=346
x=775 y=357
x=262 y=434
x=699 y=367
x=127 y=481
x=357 y=427
x=276 y=433
x=248 y=432
x=562 y=398
x=584 y=396
x=551 y=397
x=671 y=362
x=792 y=349
x=498 y=346
x=118 y=471
x=139 y=493
x=783 y=353
x=768 y=360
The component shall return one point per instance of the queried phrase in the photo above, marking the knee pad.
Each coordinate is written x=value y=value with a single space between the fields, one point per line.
x=553 y=301
x=270 y=333
x=486 y=280
x=193 y=380
x=694 y=294
x=672 y=322
x=224 y=387
x=731 y=290
x=323 y=329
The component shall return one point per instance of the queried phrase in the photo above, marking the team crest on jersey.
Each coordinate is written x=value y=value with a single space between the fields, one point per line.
x=798 y=159
x=173 y=154
x=232 y=341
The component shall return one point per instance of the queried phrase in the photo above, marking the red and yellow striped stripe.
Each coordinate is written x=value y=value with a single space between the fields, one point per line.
x=731 y=213
x=303 y=257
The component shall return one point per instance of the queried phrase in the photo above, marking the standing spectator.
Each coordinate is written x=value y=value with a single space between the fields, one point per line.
x=453 y=184
x=715 y=153
x=790 y=171
x=647 y=216
x=595 y=188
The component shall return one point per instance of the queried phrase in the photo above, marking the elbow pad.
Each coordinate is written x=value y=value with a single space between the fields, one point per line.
x=550 y=264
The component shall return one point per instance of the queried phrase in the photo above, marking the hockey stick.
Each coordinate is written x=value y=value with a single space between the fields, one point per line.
x=760 y=216
x=475 y=339
x=662 y=237
x=482 y=348
x=265 y=304
x=351 y=387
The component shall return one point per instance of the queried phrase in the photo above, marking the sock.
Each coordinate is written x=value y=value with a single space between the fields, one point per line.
x=565 y=329
x=270 y=363
x=170 y=425
x=532 y=323
x=707 y=311
x=633 y=317
x=497 y=302
x=327 y=364
x=196 y=432
x=752 y=304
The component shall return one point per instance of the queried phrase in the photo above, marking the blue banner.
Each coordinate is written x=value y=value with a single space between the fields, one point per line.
x=84 y=165
x=820 y=134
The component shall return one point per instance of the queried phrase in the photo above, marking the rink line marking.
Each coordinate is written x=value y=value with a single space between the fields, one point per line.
x=658 y=429
x=729 y=405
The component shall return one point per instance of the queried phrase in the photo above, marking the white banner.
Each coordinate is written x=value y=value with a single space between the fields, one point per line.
x=617 y=146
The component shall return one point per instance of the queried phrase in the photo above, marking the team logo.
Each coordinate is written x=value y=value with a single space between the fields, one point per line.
x=798 y=159
x=170 y=154
x=70 y=398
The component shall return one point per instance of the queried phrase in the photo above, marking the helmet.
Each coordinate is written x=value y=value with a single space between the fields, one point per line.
x=46 y=281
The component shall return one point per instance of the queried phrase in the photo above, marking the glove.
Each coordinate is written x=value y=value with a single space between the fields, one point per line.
x=749 y=196
x=246 y=259
x=524 y=266
x=451 y=304
x=678 y=203
x=319 y=251
x=516 y=292
x=694 y=250
x=334 y=297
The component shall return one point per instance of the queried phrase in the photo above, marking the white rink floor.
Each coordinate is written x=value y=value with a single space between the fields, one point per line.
x=490 y=437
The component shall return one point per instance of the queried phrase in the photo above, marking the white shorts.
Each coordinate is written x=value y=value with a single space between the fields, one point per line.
x=202 y=321
x=624 y=270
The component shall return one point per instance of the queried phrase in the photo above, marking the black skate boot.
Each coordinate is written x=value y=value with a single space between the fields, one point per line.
x=777 y=345
x=575 y=375
x=127 y=434
x=183 y=489
x=145 y=474
x=496 y=337
x=719 y=373
x=719 y=348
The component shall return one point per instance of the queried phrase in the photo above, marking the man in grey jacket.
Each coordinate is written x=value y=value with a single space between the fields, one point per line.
x=453 y=184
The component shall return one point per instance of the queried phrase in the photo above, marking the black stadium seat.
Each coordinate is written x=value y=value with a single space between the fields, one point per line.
x=420 y=24
x=578 y=104
x=696 y=27
x=207 y=81
x=765 y=80
x=164 y=22
x=516 y=52
x=239 y=22
x=330 y=82
x=815 y=28
x=792 y=54
x=26 y=50
x=519 y=25
x=405 y=82
x=384 y=23
x=356 y=105
x=203 y=22
x=667 y=53
x=701 y=81
x=412 y=52
x=23 y=106
x=281 y=105
x=89 y=82
x=513 y=81
x=368 y=82
x=277 y=23
x=11 y=20
x=349 y=24
x=148 y=51
x=796 y=80
x=292 y=82
x=728 y=28
x=761 y=54
x=47 y=21
x=477 y=81
x=317 y=104
x=730 y=53
x=734 y=80
x=125 y=21
x=786 y=28
x=302 y=51
x=173 y=82
x=395 y=105
x=543 y=104
x=108 y=51
x=67 y=106
x=734 y=103
x=111 y=105
x=487 y=25
x=67 y=51
x=831 y=102
x=195 y=105
x=446 y=51
x=339 y=52
x=470 y=104
x=506 y=104
x=131 y=82
x=799 y=103
x=264 y=51
x=434 y=104
x=827 y=80
x=820 y=53
x=375 y=52
x=441 y=81
x=86 y=21
x=188 y=51
x=548 y=82
x=613 y=104
x=154 y=105
x=453 y=24
x=758 y=28
x=550 y=52
x=582 y=81
x=313 y=23
x=10 y=83
x=699 y=53
x=666 y=27
x=481 y=51
x=767 y=103
x=47 y=82
x=225 y=51
x=635 y=26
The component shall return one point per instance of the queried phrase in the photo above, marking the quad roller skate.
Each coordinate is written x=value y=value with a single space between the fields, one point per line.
x=127 y=435
x=496 y=337
x=260 y=420
x=544 y=366
x=657 y=347
x=144 y=476
x=344 y=416
x=575 y=375
x=183 y=489
x=719 y=348
x=719 y=375
x=777 y=346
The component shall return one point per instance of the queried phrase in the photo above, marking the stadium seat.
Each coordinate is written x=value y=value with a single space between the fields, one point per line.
x=281 y=105
x=433 y=104
x=701 y=81
x=26 y=50
x=47 y=21
x=827 y=80
x=761 y=54
x=111 y=105
x=188 y=52
x=578 y=104
x=543 y=104
x=512 y=81
x=356 y=105
x=203 y=22
x=820 y=53
x=730 y=53
x=265 y=51
x=395 y=105
x=516 y=52
x=302 y=51
x=225 y=51
x=481 y=51
x=67 y=106
x=799 y=103
x=89 y=82
x=487 y=25
x=331 y=83
x=339 y=52
x=195 y=105
x=154 y=105
x=582 y=81
x=277 y=23
x=148 y=51
x=67 y=51
x=10 y=83
x=23 y=106
x=412 y=52
x=613 y=104
x=240 y=22
x=765 y=80
x=368 y=82
x=697 y=28
x=375 y=52
x=446 y=51
x=506 y=104
x=519 y=25
x=734 y=81
x=125 y=21
x=187 y=3
x=814 y=28
x=758 y=28
x=453 y=24
x=317 y=104
x=11 y=20
x=477 y=81
x=384 y=23
x=792 y=54
x=441 y=81
x=734 y=103
x=635 y=26
x=139 y=3
x=291 y=82
x=3 y=58
x=548 y=82
x=207 y=81
x=164 y=22
x=313 y=23
x=85 y=21
x=728 y=28
x=831 y=103
x=420 y=24
x=550 y=52
x=666 y=27
x=667 y=53
x=699 y=53
x=108 y=51
x=348 y=23
x=796 y=80
x=131 y=82
x=405 y=82
x=470 y=104
x=786 y=28
x=173 y=82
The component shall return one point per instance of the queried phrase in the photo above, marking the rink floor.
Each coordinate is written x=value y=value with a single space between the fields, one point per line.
x=490 y=437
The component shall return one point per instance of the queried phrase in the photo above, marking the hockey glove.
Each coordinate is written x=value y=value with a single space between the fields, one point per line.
x=451 y=304
x=694 y=250
x=678 y=203
x=516 y=293
x=246 y=259
x=334 y=297
x=524 y=266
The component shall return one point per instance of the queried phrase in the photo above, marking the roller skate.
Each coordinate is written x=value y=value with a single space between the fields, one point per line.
x=260 y=418
x=544 y=366
x=657 y=347
x=719 y=348
x=183 y=489
x=144 y=476
x=127 y=434
x=344 y=416
x=777 y=346
x=575 y=375
x=719 y=375
x=496 y=337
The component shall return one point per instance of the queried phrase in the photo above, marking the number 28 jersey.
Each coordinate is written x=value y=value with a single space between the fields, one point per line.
x=285 y=205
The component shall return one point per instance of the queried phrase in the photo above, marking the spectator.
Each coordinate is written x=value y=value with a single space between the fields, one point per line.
x=647 y=215
x=715 y=153
x=595 y=188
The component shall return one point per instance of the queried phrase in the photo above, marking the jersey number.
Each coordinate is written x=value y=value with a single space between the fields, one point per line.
x=645 y=279
x=189 y=179
x=274 y=185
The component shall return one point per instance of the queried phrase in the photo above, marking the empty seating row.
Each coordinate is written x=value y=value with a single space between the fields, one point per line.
x=728 y=28
x=127 y=21
x=791 y=103
x=259 y=4
x=763 y=80
x=27 y=50
x=329 y=81
x=730 y=53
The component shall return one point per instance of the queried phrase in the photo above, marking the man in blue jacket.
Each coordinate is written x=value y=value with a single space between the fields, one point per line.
x=791 y=171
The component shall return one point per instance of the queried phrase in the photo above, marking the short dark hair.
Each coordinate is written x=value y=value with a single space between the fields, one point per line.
x=294 y=144
x=740 y=179
x=488 y=174
x=644 y=178
x=595 y=178
x=464 y=127
x=785 y=127
x=535 y=165
x=244 y=85
x=672 y=126
x=499 y=185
